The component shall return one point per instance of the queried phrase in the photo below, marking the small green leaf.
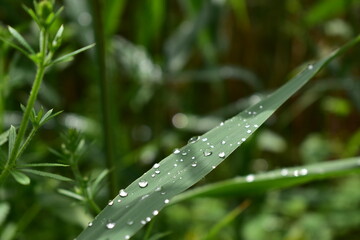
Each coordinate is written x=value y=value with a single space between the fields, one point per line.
x=12 y=138
x=68 y=57
x=20 y=39
x=29 y=165
x=48 y=116
x=47 y=174
x=71 y=194
x=20 y=177
x=96 y=184
x=58 y=37
x=4 y=137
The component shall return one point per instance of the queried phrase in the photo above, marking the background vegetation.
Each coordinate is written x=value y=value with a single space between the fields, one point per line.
x=163 y=71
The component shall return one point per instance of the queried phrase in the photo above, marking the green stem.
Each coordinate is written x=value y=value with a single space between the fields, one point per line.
x=10 y=164
x=27 y=141
x=107 y=123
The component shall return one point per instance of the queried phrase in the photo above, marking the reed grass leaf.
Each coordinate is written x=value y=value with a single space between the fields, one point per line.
x=142 y=200
x=283 y=178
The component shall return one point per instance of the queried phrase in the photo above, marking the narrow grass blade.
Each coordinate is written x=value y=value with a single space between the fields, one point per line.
x=20 y=39
x=28 y=165
x=145 y=197
x=4 y=137
x=69 y=56
x=12 y=138
x=20 y=177
x=277 y=179
x=71 y=194
x=47 y=174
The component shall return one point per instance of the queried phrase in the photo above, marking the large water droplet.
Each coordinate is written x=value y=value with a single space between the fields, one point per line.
x=250 y=178
x=176 y=151
x=207 y=152
x=222 y=155
x=194 y=139
x=110 y=225
x=143 y=183
x=122 y=193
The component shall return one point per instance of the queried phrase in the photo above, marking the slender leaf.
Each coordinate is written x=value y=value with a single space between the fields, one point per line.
x=20 y=177
x=47 y=174
x=4 y=137
x=20 y=39
x=12 y=137
x=277 y=179
x=41 y=165
x=71 y=194
x=146 y=196
x=69 y=56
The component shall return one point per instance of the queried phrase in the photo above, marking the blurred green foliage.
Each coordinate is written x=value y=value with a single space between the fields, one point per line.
x=175 y=69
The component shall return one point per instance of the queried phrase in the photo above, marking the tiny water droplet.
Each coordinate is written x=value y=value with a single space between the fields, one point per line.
x=148 y=219
x=176 y=151
x=143 y=184
x=119 y=200
x=222 y=123
x=143 y=222
x=303 y=172
x=127 y=237
x=204 y=139
x=256 y=126
x=250 y=178
x=213 y=167
x=310 y=67
x=166 y=201
x=122 y=193
x=194 y=139
x=243 y=139
x=192 y=158
x=296 y=173
x=155 y=212
x=194 y=164
x=284 y=172
x=247 y=126
x=110 y=225
x=207 y=152
x=90 y=224
x=222 y=155
x=260 y=106
x=248 y=131
x=153 y=175
x=130 y=223
x=158 y=189
x=156 y=165
x=223 y=142
x=184 y=153
x=111 y=202
x=157 y=171
x=175 y=165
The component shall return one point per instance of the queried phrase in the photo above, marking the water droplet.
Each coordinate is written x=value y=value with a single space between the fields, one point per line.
x=157 y=171
x=175 y=165
x=247 y=126
x=148 y=219
x=127 y=237
x=207 y=152
x=143 y=222
x=204 y=139
x=155 y=212
x=222 y=155
x=111 y=202
x=243 y=139
x=158 y=189
x=223 y=142
x=130 y=223
x=296 y=173
x=248 y=131
x=122 y=193
x=194 y=164
x=90 y=224
x=153 y=175
x=303 y=172
x=110 y=225
x=310 y=67
x=256 y=126
x=176 y=151
x=222 y=123
x=213 y=167
x=260 y=106
x=166 y=201
x=143 y=183
x=194 y=139
x=192 y=158
x=156 y=165
x=284 y=172
x=250 y=178
x=119 y=200
x=184 y=154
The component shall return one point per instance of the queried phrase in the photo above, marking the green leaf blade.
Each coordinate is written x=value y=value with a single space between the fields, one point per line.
x=48 y=175
x=20 y=39
x=20 y=177
x=145 y=197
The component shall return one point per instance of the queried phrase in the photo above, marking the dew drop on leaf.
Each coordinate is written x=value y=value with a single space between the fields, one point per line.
x=155 y=212
x=194 y=139
x=130 y=223
x=156 y=165
x=90 y=224
x=143 y=222
x=204 y=139
x=310 y=67
x=122 y=193
x=250 y=178
x=223 y=142
x=110 y=225
x=143 y=184
x=127 y=237
x=111 y=202
x=207 y=152
x=222 y=155
x=176 y=151
x=166 y=201
x=193 y=164
x=284 y=172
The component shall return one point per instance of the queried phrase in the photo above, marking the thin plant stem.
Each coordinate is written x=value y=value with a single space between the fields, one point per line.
x=107 y=123
x=11 y=162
